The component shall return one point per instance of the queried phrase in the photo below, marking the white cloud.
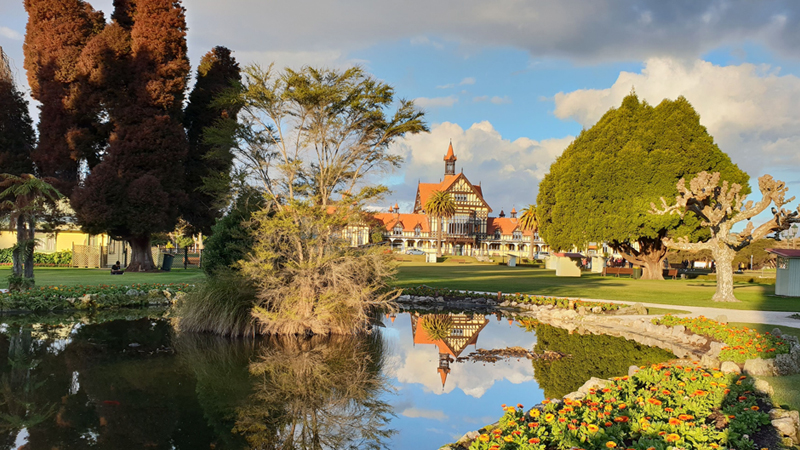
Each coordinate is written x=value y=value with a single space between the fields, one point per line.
x=509 y=171
x=467 y=81
x=501 y=100
x=424 y=413
x=480 y=98
x=446 y=86
x=436 y=102
x=750 y=110
x=9 y=33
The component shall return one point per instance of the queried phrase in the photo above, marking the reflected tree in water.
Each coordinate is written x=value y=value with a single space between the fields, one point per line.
x=591 y=356
x=317 y=393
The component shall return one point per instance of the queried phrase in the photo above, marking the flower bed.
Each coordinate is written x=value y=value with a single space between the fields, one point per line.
x=741 y=343
x=558 y=302
x=87 y=297
x=665 y=406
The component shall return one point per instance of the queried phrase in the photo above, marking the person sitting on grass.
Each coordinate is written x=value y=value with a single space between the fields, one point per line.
x=116 y=269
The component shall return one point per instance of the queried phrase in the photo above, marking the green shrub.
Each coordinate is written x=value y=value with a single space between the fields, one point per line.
x=62 y=258
x=223 y=305
x=231 y=238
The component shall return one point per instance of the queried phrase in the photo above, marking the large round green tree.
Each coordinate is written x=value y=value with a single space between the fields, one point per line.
x=601 y=187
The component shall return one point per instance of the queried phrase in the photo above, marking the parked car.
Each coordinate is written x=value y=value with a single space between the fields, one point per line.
x=414 y=251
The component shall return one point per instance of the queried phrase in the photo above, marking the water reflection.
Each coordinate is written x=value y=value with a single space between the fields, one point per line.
x=69 y=383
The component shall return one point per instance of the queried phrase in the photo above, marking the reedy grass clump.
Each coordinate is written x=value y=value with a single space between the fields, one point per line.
x=438 y=326
x=222 y=304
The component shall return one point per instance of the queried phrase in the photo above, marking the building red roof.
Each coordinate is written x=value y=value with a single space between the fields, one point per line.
x=785 y=252
x=568 y=255
x=450 y=156
x=407 y=221
x=424 y=190
x=506 y=225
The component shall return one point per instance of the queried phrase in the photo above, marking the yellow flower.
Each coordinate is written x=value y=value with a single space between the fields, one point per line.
x=611 y=444
x=592 y=428
x=534 y=413
x=484 y=438
x=672 y=438
x=508 y=438
x=549 y=417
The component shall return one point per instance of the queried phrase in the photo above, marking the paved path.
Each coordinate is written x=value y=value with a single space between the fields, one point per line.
x=734 y=315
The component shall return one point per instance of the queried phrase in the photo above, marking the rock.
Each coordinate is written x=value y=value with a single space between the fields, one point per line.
x=632 y=370
x=582 y=310
x=575 y=396
x=640 y=309
x=759 y=367
x=710 y=362
x=786 y=364
x=730 y=367
x=167 y=294
x=593 y=383
x=440 y=299
x=776 y=332
x=722 y=318
x=134 y=345
x=678 y=331
x=786 y=427
x=716 y=348
x=468 y=438
x=597 y=310
x=154 y=293
x=132 y=292
x=762 y=387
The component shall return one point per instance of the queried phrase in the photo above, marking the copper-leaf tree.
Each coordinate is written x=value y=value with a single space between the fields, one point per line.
x=137 y=189
x=720 y=207
x=70 y=128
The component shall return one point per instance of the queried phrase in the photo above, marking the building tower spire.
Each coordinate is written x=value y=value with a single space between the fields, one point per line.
x=450 y=161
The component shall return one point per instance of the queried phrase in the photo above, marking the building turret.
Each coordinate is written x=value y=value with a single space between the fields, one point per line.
x=450 y=161
x=513 y=213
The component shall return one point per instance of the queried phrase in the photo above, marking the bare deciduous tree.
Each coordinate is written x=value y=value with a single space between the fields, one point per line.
x=720 y=207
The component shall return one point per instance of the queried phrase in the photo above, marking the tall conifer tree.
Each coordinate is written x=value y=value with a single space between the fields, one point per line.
x=206 y=163
x=16 y=129
x=69 y=131
x=137 y=188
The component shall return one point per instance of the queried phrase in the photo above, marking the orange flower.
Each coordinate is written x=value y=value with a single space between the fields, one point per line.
x=673 y=438
x=534 y=440
x=611 y=444
x=653 y=401
x=621 y=419
x=592 y=428
x=484 y=438
x=754 y=408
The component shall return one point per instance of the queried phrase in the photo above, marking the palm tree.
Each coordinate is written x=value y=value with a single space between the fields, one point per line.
x=440 y=205
x=23 y=200
x=528 y=221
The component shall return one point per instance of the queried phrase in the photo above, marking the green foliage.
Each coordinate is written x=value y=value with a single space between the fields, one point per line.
x=49 y=298
x=438 y=326
x=601 y=187
x=590 y=356
x=309 y=280
x=20 y=284
x=222 y=304
x=440 y=205
x=62 y=258
x=231 y=238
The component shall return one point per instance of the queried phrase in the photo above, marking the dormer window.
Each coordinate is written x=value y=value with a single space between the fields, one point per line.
x=497 y=234
x=517 y=235
x=397 y=230
x=417 y=231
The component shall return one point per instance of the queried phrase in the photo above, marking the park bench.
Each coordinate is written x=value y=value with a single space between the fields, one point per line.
x=671 y=273
x=618 y=271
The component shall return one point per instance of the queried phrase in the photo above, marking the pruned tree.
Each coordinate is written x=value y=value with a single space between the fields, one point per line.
x=17 y=139
x=601 y=187
x=137 y=189
x=720 y=207
x=529 y=221
x=206 y=164
x=440 y=206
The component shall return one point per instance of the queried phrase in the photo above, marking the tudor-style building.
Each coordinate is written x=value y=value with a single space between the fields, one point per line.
x=469 y=232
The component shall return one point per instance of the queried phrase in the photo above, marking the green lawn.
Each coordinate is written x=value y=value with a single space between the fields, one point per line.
x=46 y=276
x=493 y=278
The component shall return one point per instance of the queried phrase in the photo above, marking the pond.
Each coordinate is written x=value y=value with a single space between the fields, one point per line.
x=129 y=380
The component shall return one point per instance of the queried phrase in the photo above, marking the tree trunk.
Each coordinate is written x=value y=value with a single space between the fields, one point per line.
x=650 y=256
x=30 y=247
x=17 y=254
x=141 y=256
x=439 y=236
x=723 y=258
x=530 y=249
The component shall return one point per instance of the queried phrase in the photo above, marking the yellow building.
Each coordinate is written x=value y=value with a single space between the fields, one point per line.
x=88 y=250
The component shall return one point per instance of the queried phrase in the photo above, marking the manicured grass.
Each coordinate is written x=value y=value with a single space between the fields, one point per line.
x=493 y=278
x=662 y=311
x=57 y=276
x=762 y=328
x=786 y=393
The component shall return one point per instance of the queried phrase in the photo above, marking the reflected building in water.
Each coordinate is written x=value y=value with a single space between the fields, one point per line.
x=459 y=332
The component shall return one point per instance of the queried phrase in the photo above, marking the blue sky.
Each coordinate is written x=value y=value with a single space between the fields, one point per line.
x=513 y=81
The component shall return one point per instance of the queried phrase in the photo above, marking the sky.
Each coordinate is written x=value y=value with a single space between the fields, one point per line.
x=512 y=82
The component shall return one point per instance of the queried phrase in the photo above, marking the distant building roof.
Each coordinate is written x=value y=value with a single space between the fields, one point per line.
x=506 y=225
x=568 y=255
x=785 y=252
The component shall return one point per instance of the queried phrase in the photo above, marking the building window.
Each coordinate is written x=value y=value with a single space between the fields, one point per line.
x=397 y=230
x=517 y=235
x=497 y=234
x=417 y=231
x=460 y=197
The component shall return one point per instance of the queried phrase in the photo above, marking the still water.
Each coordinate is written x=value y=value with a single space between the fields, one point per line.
x=127 y=380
